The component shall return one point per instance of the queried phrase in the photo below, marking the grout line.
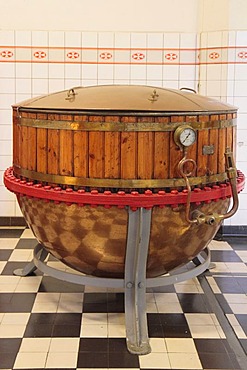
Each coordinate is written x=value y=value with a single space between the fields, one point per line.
x=224 y=323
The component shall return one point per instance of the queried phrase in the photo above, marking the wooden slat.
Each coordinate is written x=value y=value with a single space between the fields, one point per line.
x=229 y=138
x=145 y=165
x=66 y=153
x=32 y=148
x=222 y=149
x=191 y=154
x=16 y=146
x=234 y=142
x=96 y=154
x=213 y=158
x=80 y=154
x=202 y=160
x=128 y=155
x=175 y=156
x=42 y=153
x=161 y=155
x=24 y=145
x=53 y=152
x=112 y=155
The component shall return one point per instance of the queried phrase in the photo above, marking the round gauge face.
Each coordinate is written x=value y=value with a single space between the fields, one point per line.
x=187 y=136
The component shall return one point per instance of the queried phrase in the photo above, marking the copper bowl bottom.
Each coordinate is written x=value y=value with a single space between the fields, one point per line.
x=92 y=240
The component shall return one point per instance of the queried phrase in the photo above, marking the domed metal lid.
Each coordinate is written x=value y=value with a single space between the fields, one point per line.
x=131 y=98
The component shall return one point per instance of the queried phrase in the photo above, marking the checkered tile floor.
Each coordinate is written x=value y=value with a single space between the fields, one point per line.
x=49 y=324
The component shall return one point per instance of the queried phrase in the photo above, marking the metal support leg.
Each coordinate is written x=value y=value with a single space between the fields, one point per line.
x=135 y=281
x=200 y=259
x=30 y=267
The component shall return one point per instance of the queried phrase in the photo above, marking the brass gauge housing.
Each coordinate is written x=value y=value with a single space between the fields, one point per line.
x=184 y=136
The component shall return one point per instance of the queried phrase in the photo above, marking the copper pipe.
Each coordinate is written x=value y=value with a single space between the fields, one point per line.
x=199 y=217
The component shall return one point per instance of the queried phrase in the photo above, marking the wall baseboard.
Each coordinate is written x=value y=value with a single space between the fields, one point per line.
x=237 y=230
x=12 y=221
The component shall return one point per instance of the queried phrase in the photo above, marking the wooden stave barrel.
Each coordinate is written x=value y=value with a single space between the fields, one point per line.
x=63 y=148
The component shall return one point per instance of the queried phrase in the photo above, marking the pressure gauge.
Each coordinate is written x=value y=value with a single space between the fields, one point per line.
x=184 y=136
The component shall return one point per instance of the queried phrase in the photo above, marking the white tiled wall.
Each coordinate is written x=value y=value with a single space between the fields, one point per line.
x=41 y=62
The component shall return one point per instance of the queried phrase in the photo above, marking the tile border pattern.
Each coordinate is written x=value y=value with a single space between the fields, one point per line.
x=140 y=56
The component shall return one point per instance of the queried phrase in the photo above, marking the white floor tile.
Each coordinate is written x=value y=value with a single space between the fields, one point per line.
x=238 y=308
x=28 y=285
x=219 y=245
x=155 y=361
x=94 y=318
x=199 y=319
x=158 y=345
x=61 y=360
x=35 y=345
x=15 y=318
x=116 y=318
x=21 y=255
x=8 y=243
x=30 y=360
x=180 y=345
x=27 y=234
x=97 y=331
x=236 y=298
x=185 y=361
x=171 y=307
x=116 y=331
x=64 y=345
x=204 y=331
x=12 y=331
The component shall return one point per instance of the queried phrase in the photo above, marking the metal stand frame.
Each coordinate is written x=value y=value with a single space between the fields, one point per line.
x=134 y=282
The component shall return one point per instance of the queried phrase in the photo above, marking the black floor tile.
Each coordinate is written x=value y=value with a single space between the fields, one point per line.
x=95 y=298
x=123 y=360
x=180 y=331
x=95 y=345
x=9 y=345
x=212 y=345
x=153 y=319
x=217 y=361
x=244 y=345
x=26 y=244
x=175 y=319
x=242 y=281
x=224 y=256
x=7 y=360
x=192 y=303
x=115 y=302
x=117 y=345
x=155 y=331
x=11 y=233
x=92 y=360
x=68 y=319
x=42 y=318
x=228 y=284
x=50 y=284
x=17 y=302
x=95 y=307
x=5 y=254
x=66 y=331
x=38 y=331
